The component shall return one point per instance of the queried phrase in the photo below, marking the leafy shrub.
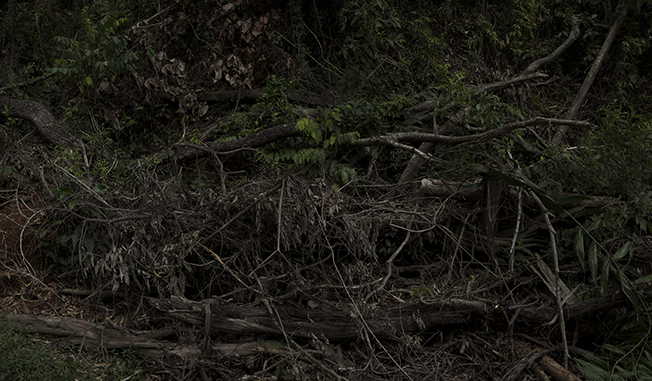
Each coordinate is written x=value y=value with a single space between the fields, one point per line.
x=102 y=53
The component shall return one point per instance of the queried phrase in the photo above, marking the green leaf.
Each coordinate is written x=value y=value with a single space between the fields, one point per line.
x=593 y=261
x=625 y=249
x=524 y=182
x=62 y=191
x=612 y=348
x=626 y=287
x=72 y=203
x=310 y=128
x=566 y=200
x=579 y=247
x=592 y=371
x=100 y=189
x=5 y=171
x=589 y=212
x=90 y=244
x=645 y=279
x=604 y=276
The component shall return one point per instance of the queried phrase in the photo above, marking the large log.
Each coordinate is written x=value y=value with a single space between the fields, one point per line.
x=346 y=324
x=94 y=336
x=42 y=119
x=334 y=325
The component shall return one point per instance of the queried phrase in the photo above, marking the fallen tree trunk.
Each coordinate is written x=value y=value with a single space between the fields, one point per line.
x=304 y=323
x=342 y=325
x=94 y=336
x=42 y=119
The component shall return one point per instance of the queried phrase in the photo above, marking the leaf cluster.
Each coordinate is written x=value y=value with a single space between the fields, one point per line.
x=102 y=53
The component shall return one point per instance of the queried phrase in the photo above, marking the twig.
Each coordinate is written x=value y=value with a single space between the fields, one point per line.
x=389 y=263
x=26 y=83
x=553 y=243
x=84 y=185
x=519 y=216
x=278 y=231
x=367 y=331
x=245 y=210
x=517 y=228
x=391 y=139
x=276 y=318
x=248 y=287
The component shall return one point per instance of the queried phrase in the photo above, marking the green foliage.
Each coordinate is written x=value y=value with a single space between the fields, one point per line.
x=102 y=53
x=274 y=103
x=25 y=359
x=20 y=34
x=624 y=168
x=373 y=36
x=318 y=158
x=422 y=290
x=6 y=171
x=628 y=361
x=508 y=28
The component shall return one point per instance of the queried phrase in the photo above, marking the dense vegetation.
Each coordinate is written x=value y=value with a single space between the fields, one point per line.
x=329 y=154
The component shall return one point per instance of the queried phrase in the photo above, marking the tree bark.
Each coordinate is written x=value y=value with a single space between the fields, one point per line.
x=341 y=325
x=335 y=325
x=42 y=118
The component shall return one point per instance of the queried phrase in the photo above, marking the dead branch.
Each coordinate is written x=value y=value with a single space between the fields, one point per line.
x=588 y=81
x=187 y=151
x=420 y=137
x=572 y=36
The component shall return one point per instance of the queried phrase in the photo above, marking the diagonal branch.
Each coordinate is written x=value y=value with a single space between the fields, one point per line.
x=588 y=81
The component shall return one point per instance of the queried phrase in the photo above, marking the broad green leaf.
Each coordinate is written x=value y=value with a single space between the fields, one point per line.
x=72 y=203
x=614 y=349
x=90 y=244
x=62 y=191
x=5 y=171
x=645 y=279
x=100 y=189
x=625 y=249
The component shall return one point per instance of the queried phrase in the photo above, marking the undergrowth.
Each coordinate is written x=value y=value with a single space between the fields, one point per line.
x=26 y=358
